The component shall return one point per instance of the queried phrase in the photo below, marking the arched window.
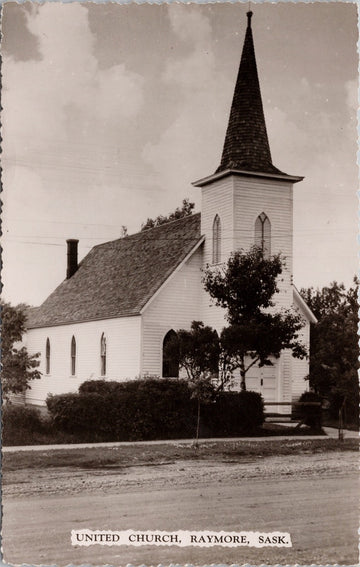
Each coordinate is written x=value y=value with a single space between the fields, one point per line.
x=103 y=354
x=47 y=356
x=216 y=256
x=170 y=365
x=73 y=356
x=263 y=234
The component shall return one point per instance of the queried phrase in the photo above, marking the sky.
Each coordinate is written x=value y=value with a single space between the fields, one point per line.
x=110 y=111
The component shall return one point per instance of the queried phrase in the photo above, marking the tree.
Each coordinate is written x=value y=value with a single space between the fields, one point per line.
x=334 y=346
x=18 y=367
x=245 y=287
x=179 y=213
x=123 y=231
x=198 y=353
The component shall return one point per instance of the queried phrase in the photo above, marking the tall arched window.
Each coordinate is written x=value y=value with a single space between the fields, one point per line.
x=263 y=234
x=47 y=356
x=73 y=356
x=103 y=354
x=170 y=365
x=216 y=256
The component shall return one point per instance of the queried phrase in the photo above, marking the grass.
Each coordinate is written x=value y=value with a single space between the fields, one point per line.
x=135 y=455
x=20 y=436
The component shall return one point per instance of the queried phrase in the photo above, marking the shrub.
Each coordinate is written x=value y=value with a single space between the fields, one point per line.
x=81 y=413
x=350 y=410
x=19 y=424
x=150 y=409
x=311 y=414
x=100 y=387
x=234 y=413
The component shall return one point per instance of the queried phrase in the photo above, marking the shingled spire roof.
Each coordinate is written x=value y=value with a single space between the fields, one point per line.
x=246 y=144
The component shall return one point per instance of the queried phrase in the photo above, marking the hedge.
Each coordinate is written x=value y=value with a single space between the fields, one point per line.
x=151 y=409
x=310 y=414
x=19 y=424
x=234 y=413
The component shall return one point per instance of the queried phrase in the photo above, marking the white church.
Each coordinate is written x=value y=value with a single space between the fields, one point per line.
x=112 y=315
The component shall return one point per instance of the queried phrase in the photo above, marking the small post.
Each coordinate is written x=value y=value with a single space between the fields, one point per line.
x=341 y=425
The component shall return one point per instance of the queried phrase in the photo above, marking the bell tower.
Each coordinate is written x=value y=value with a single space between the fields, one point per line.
x=248 y=200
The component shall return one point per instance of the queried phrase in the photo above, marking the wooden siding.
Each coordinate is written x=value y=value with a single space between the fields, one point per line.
x=217 y=199
x=274 y=198
x=175 y=307
x=300 y=368
x=122 y=360
x=239 y=201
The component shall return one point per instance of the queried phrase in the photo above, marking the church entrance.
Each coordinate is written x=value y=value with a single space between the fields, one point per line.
x=264 y=381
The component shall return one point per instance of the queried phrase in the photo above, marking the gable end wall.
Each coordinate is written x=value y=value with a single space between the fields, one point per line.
x=175 y=307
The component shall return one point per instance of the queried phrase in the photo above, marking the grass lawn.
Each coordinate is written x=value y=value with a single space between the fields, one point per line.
x=18 y=436
x=135 y=455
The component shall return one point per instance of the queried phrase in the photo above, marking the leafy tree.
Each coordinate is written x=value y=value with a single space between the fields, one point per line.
x=198 y=353
x=334 y=346
x=179 y=213
x=18 y=367
x=245 y=287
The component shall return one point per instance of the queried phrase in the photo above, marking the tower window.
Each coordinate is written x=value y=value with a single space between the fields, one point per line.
x=216 y=257
x=263 y=234
x=103 y=355
x=73 y=356
x=47 y=356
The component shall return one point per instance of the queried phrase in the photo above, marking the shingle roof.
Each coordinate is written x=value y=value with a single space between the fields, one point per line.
x=117 y=278
x=246 y=145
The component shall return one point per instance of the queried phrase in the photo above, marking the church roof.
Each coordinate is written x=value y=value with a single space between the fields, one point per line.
x=117 y=279
x=246 y=145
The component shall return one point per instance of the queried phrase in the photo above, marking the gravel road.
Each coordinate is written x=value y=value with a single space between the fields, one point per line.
x=311 y=496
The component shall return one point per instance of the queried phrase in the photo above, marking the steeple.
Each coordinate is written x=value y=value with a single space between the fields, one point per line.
x=246 y=145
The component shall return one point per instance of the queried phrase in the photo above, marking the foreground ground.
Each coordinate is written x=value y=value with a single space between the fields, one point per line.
x=307 y=488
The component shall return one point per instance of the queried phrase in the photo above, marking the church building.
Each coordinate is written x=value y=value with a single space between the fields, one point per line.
x=112 y=315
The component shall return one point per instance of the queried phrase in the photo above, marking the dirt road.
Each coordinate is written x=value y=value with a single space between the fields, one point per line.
x=314 y=497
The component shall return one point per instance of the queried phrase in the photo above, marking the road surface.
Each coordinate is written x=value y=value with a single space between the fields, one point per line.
x=314 y=497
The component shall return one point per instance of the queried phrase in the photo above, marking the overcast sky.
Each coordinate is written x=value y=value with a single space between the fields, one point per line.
x=111 y=111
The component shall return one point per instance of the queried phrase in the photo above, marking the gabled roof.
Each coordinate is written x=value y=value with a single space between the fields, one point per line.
x=246 y=146
x=117 y=279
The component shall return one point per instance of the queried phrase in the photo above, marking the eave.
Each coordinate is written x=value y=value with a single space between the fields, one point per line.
x=304 y=306
x=243 y=173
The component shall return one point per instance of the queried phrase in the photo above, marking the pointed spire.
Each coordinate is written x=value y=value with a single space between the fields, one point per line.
x=246 y=144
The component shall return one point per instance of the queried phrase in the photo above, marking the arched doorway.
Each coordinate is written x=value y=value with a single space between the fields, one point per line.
x=170 y=362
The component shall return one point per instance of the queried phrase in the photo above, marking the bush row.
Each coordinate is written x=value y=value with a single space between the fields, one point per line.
x=151 y=409
x=19 y=424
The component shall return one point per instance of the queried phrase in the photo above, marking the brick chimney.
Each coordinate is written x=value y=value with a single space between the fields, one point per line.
x=72 y=257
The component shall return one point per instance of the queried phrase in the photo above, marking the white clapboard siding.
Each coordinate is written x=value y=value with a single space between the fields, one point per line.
x=238 y=201
x=254 y=196
x=211 y=314
x=174 y=307
x=300 y=368
x=122 y=356
x=217 y=199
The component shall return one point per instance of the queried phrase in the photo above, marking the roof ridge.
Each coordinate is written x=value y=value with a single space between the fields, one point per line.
x=128 y=236
x=186 y=217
